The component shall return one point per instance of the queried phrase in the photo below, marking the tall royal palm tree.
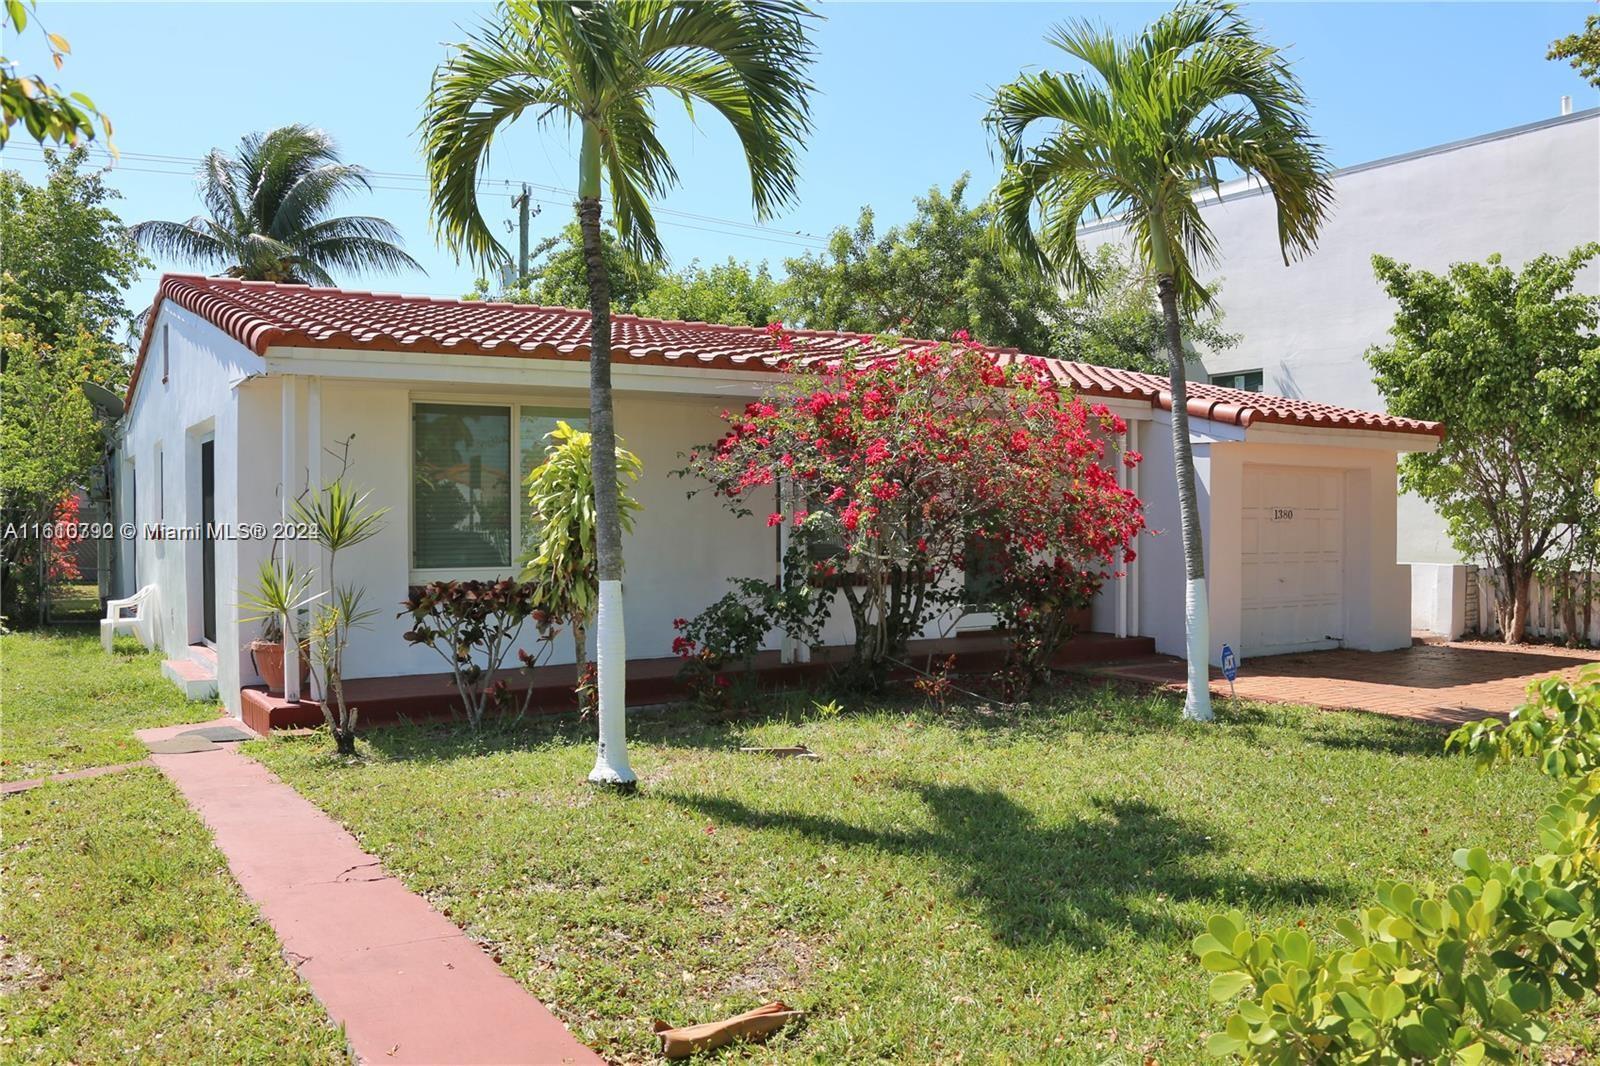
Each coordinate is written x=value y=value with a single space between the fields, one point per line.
x=268 y=218
x=1153 y=123
x=601 y=67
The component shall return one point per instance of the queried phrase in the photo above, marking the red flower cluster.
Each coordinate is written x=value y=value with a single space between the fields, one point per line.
x=913 y=454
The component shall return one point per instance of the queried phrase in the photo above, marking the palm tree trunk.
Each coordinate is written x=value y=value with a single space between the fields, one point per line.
x=1196 y=610
x=611 y=656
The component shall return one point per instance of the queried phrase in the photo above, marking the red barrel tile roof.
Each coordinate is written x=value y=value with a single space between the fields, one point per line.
x=263 y=315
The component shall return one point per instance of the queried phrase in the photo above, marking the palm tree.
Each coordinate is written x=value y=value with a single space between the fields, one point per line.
x=1156 y=121
x=267 y=214
x=601 y=67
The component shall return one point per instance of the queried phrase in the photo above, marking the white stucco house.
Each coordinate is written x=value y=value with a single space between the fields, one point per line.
x=1304 y=329
x=247 y=391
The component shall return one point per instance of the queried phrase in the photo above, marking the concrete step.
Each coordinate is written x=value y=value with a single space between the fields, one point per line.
x=196 y=674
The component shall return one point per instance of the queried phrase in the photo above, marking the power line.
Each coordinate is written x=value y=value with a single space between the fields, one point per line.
x=750 y=230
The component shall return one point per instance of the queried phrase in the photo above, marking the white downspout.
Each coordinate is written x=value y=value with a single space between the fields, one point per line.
x=313 y=558
x=1133 y=568
x=290 y=469
x=1122 y=582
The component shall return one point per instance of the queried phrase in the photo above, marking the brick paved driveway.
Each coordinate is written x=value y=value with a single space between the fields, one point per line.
x=1443 y=683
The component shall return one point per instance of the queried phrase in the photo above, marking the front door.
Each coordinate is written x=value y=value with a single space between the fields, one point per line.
x=208 y=543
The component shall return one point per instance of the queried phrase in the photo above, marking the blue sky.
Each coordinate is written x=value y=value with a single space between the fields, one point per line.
x=899 y=107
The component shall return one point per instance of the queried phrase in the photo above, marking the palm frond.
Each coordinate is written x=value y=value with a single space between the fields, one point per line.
x=1195 y=99
x=184 y=241
x=357 y=253
x=488 y=82
x=313 y=194
x=749 y=60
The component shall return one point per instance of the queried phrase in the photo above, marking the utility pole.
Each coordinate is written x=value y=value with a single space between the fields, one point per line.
x=522 y=203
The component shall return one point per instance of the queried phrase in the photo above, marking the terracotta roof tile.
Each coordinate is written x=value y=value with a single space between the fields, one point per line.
x=263 y=315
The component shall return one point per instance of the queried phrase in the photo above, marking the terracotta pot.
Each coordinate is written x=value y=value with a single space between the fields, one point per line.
x=268 y=657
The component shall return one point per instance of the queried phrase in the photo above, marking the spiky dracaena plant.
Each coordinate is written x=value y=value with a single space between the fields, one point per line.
x=268 y=214
x=339 y=518
x=562 y=562
x=1153 y=123
x=597 y=67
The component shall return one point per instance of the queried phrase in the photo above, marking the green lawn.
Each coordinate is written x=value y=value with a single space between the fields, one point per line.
x=938 y=887
x=65 y=704
x=124 y=938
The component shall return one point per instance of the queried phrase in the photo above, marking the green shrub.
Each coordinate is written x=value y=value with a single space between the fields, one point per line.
x=1466 y=975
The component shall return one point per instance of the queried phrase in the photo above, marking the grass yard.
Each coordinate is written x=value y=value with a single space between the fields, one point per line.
x=938 y=887
x=124 y=938
x=65 y=704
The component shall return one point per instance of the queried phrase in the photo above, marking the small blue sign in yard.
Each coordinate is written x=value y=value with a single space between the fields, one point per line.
x=1230 y=664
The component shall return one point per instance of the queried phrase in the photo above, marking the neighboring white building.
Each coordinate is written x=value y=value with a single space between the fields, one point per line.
x=1304 y=329
x=246 y=391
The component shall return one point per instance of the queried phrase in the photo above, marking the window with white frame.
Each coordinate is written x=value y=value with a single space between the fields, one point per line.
x=469 y=460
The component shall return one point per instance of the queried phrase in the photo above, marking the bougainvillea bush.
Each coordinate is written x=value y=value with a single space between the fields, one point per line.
x=904 y=461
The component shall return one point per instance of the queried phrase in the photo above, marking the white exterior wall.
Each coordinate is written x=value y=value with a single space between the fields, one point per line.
x=1376 y=607
x=1160 y=551
x=204 y=368
x=679 y=556
x=1520 y=193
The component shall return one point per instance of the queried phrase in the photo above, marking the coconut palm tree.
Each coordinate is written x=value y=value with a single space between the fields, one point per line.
x=267 y=214
x=1153 y=123
x=602 y=67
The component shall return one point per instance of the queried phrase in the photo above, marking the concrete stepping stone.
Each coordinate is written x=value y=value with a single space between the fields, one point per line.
x=219 y=734
x=182 y=744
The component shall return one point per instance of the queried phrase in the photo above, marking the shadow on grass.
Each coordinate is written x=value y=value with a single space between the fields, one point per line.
x=1387 y=735
x=1039 y=885
x=1071 y=705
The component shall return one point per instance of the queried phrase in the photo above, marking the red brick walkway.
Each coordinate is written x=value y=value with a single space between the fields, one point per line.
x=1442 y=683
x=403 y=980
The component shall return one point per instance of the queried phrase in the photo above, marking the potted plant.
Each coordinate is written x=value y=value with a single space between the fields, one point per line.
x=277 y=595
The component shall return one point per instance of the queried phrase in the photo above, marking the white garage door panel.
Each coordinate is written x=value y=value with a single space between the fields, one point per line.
x=1292 y=554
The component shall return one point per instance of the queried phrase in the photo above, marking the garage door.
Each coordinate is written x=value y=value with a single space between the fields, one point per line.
x=1293 y=557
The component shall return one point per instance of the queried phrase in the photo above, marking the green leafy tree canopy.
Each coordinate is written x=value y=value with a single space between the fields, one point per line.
x=47 y=111
x=558 y=275
x=1582 y=50
x=730 y=293
x=1510 y=362
x=65 y=259
x=1118 y=322
x=939 y=273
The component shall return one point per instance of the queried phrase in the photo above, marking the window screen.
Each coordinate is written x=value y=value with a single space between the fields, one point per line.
x=532 y=426
x=1248 y=380
x=461 y=486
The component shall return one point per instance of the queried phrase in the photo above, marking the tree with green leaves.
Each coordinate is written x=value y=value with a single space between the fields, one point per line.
x=939 y=273
x=1156 y=121
x=1510 y=362
x=47 y=111
x=601 y=68
x=50 y=439
x=64 y=261
x=269 y=214
x=1119 y=322
x=558 y=274
x=561 y=562
x=65 y=258
x=730 y=293
x=1582 y=50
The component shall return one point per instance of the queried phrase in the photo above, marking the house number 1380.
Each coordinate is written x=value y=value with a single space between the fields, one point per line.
x=1283 y=514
